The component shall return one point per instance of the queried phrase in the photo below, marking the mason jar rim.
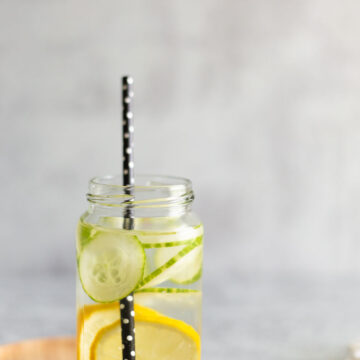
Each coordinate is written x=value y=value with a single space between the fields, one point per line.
x=148 y=191
x=116 y=181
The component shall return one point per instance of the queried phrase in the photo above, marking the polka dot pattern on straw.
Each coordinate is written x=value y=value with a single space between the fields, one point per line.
x=128 y=131
x=127 y=304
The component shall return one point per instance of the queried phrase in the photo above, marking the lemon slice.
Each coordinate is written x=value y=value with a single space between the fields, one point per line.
x=93 y=318
x=158 y=337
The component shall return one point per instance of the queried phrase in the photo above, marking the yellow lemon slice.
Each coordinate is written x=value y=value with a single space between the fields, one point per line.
x=158 y=337
x=93 y=318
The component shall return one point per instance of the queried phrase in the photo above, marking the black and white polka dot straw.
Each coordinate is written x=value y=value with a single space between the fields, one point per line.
x=127 y=304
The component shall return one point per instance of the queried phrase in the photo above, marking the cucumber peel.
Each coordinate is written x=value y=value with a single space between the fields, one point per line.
x=167 y=244
x=165 y=290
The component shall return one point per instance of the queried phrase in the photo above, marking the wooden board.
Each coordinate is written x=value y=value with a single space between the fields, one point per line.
x=61 y=348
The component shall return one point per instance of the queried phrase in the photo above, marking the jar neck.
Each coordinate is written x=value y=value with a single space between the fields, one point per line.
x=152 y=196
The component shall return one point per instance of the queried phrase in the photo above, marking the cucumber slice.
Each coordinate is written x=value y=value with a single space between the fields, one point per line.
x=188 y=270
x=167 y=244
x=157 y=239
x=85 y=232
x=166 y=290
x=111 y=266
x=179 y=266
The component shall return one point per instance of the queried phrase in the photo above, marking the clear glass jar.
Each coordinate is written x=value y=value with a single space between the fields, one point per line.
x=159 y=263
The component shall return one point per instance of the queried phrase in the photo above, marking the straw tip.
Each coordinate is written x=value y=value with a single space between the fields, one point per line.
x=127 y=79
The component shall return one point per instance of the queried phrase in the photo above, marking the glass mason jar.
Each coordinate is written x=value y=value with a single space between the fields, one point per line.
x=158 y=264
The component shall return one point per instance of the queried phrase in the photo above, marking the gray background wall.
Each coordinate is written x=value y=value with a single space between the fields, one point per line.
x=255 y=101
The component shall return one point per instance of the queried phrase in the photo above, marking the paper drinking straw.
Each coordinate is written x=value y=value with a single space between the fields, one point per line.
x=127 y=304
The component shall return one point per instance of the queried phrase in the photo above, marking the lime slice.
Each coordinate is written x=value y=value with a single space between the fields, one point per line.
x=111 y=266
x=180 y=264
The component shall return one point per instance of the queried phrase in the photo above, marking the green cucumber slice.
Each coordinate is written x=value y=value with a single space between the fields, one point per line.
x=111 y=266
x=157 y=239
x=85 y=232
x=166 y=290
x=191 y=265
x=176 y=264
x=167 y=244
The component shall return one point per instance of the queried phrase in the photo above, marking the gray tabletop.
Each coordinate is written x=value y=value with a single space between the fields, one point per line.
x=245 y=316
